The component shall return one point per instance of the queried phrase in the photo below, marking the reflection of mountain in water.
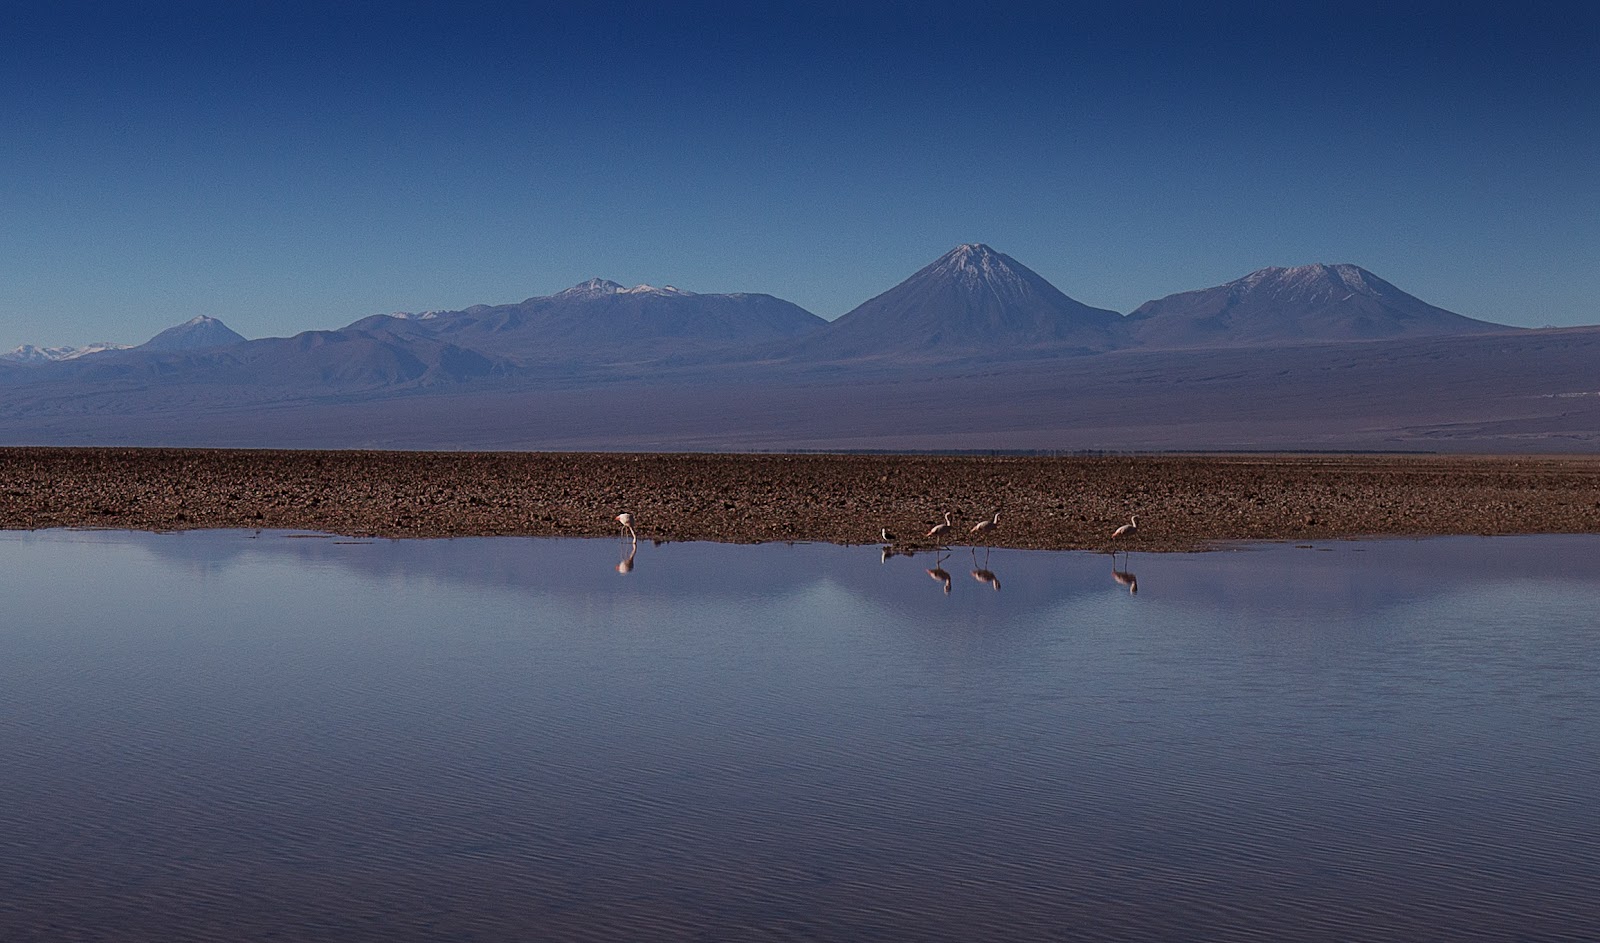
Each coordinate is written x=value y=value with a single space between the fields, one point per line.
x=1366 y=576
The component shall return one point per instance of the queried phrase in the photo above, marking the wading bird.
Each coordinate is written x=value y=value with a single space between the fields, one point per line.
x=883 y=532
x=939 y=530
x=983 y=527
x=1128 y=529
x=626 y=520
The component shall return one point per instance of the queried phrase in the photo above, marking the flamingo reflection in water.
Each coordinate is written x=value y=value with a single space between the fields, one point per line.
x=626 y=566
x=1124 y=577
x=982 y=573
x=938 y=572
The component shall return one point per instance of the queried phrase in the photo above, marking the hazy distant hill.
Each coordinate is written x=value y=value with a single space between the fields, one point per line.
x=1292 y=305
x=307 y=366
x=1528 y=391
x=971 y=299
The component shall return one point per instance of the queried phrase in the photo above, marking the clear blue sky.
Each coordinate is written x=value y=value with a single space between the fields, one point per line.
x=287 y=166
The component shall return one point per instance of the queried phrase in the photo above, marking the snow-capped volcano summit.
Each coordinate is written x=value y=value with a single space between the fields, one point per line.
x=972 y=297
x=194 y=334
x=976 y=261
x=1318 y=302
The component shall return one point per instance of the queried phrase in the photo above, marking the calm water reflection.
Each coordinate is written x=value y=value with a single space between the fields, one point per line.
x=209 y=736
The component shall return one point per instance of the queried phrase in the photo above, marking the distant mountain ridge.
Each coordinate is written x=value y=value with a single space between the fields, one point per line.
x=28 y=353
x=972 y=310
x=973 y=301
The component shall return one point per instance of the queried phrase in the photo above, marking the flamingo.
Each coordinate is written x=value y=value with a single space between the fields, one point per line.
x=983 y=527
x=626 y=566
x=883 y=533
x=1128 y=529
x=626 y=520
x=938 y=530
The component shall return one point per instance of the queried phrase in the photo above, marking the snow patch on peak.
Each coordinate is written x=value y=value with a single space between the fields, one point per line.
x=592 y=287
x=28 y=353
x=971 y=254
x=976 y=264
x=652 y=290
x=1316 y=282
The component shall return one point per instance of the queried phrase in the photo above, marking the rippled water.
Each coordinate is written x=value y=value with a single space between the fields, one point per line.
x=220 y=736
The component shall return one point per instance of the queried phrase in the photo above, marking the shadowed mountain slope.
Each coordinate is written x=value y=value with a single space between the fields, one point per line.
x=1293 y=305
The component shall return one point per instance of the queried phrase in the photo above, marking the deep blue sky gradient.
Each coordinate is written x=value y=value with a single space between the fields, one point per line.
x=288 y=166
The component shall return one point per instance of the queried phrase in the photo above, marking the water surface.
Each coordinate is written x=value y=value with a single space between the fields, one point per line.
x=221 y=735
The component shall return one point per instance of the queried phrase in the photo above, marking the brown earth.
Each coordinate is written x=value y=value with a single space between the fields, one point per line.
x=1183 y=502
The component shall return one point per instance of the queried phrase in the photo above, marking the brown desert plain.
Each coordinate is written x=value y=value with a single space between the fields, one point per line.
x=1184 y=502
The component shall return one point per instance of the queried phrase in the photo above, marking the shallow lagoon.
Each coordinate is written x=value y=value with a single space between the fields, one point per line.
x=224 y=735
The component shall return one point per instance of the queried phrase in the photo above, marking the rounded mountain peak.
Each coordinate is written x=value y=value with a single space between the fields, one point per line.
x=594 y=286
x=1318 y=276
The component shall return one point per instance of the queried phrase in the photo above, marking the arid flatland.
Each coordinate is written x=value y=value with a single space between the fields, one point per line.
x=1183 y=502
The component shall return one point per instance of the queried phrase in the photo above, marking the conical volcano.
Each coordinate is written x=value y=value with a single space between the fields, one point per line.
x=195 y=334
x=971 y=299
x=1291 y=305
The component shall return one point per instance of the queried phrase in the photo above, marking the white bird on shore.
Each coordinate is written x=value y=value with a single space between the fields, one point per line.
x=626 y=520
x=983 y=527
x=1128 y=529
x=939 y=529
x=883 y=532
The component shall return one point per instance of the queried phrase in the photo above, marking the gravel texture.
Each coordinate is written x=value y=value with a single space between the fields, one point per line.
x=1183 y=502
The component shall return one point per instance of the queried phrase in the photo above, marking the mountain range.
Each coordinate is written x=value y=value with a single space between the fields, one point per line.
x=701 y=361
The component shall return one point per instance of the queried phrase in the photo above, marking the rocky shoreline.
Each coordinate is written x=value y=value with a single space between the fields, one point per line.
x=1184 y=502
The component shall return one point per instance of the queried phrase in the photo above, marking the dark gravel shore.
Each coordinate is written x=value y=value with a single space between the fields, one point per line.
x=1183 y=502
